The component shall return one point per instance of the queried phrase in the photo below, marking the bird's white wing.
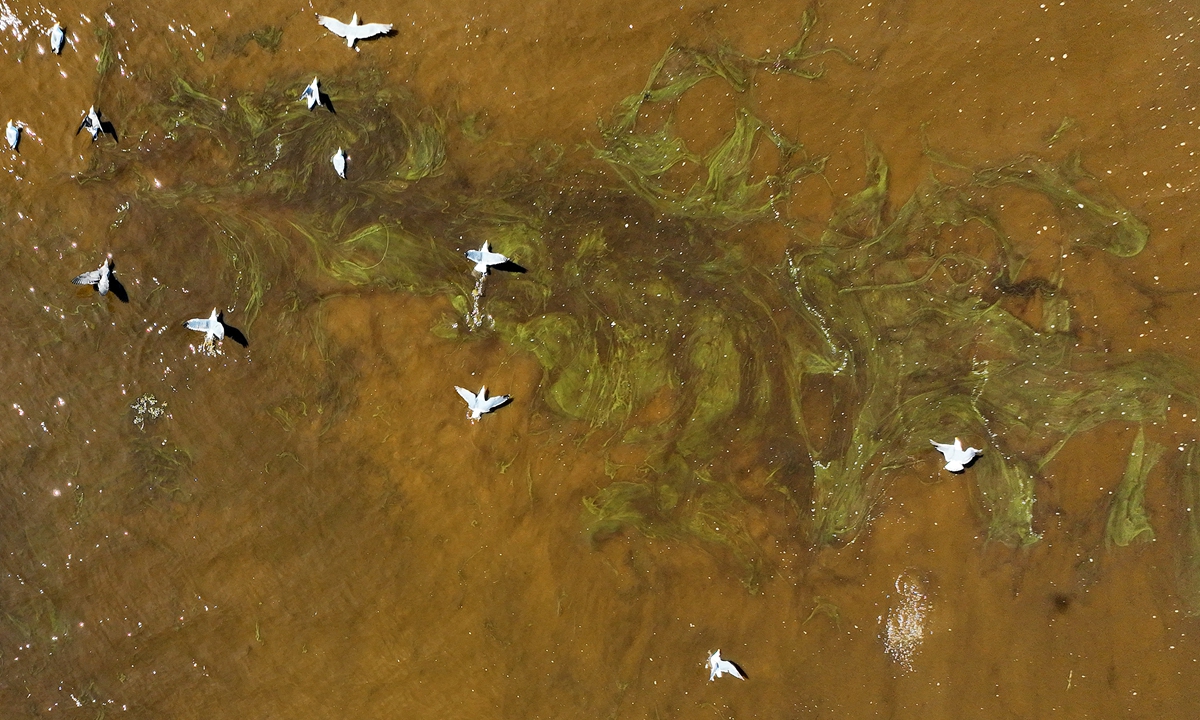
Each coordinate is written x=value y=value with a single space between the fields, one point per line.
x=204 y=325
x=726 y=666
x=88 y=278
x=943 y=448
x=475 y=256
x=333 y=25
x=105 y=279
x=467 y=395
x=492 y=403
x=368 y=30
x=492 y=258
x=200 y=324
x=208 y=326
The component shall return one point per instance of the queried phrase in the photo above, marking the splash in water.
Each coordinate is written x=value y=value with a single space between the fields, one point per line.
x=905 y=627
x=476 y=318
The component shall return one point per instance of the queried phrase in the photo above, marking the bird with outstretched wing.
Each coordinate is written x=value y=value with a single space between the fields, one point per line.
x=354 y=30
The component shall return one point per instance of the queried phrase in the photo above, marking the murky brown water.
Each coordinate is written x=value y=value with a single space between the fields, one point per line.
x=312 y=528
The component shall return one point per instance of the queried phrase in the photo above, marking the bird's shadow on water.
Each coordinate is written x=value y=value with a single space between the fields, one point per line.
x=327 y=102
x=107 y=128
x=968 y=464
x=742 y=670
x=509 y=266
x=233 y=333
x=116 y=288
x=114 y=285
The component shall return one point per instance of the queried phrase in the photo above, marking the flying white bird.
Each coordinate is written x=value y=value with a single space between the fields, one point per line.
x=57 y=38
x=91 y=123
x=312 y=94
x=211 y=327
x=12 y=133
x=101 y=278
x=353 y=31
x=484 y=257
x=718 y=667
x=480 y=404
x=339 y=163
x=957 y=458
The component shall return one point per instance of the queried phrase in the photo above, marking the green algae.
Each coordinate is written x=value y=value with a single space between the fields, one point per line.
x=722 y=187
x=382 y=254
x=276 y=143
x=583 y=383
x=1189 y=545
x=1098 y=222
x=796 y=60
x=913 y=356
x=425 y=151
x=39 y=619
x=161 y=464
x=861 y=215
x=1066 y=125
x=657 y=323
x=1006 y=494
x=267 y=38
x=1056 y=314
x=1127 y=517
x=250 y=283
x=714 y=377
x=107 y=56
x=697 y=508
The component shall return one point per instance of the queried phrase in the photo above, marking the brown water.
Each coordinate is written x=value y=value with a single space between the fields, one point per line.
x=314 y=529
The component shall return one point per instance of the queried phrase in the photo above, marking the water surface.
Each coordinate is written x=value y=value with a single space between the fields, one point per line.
x=312 y=526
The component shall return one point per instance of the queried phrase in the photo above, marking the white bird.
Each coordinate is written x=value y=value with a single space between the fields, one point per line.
x=957 y=458
x=353 y=31
x=101 y=278
x=718 y=667
x=339 y=163
x=484 y=257
x=312 y=94
x=57 y=38
x=211 y=327
x=480 y=404
x=91 y=123
x=12 y=133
